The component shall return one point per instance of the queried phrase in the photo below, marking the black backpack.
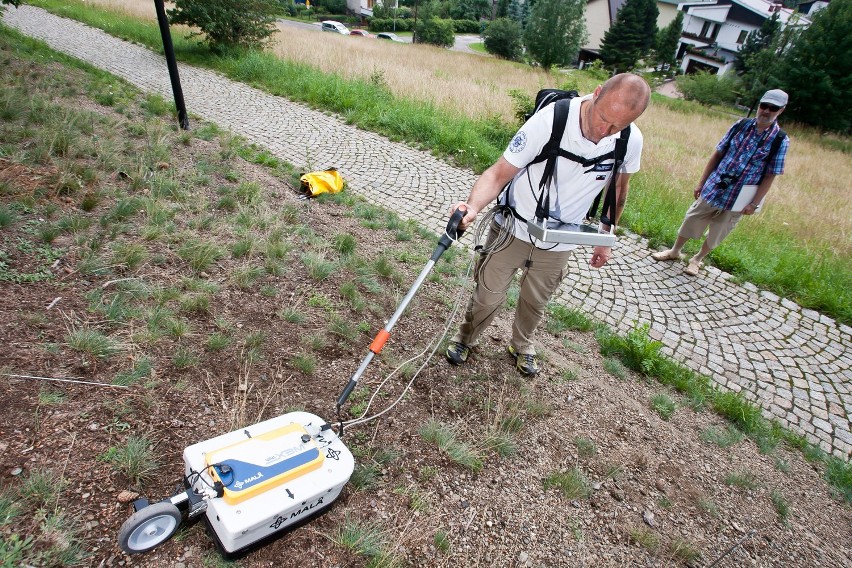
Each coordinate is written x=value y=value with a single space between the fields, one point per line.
x=552 y=152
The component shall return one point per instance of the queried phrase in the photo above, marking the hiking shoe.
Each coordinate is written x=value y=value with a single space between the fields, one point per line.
x=457 y=353
x=526 y=363
x=666 y=255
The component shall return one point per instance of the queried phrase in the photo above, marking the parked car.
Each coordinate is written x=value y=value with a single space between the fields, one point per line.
x=389 y=36
x=335 y=27
x=362 y=33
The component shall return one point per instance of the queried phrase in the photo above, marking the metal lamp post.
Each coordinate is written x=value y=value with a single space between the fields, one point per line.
x=172 y=64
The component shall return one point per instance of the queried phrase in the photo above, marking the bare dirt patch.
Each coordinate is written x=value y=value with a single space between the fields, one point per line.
x=647 y=491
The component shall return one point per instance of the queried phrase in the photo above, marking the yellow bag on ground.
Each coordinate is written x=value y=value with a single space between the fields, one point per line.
x=326 y=181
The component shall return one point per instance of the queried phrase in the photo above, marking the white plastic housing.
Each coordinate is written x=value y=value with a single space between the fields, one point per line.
x=270 y=509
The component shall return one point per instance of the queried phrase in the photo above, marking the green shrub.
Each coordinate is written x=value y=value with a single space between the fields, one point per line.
x=503 y=39
x=223 y=23
x=708 y=89
x=466 y=26
x=436 y=31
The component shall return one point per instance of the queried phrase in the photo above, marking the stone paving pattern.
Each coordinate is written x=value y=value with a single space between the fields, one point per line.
x=793 y=362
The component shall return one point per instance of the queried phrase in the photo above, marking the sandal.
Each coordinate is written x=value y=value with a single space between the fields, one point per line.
x=692 y=268
x=666 y=255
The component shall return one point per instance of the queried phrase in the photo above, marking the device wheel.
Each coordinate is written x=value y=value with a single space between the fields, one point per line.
x=149 y=527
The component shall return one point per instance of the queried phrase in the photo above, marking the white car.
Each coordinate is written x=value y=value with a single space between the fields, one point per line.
x=389 y=36
x=335 y=27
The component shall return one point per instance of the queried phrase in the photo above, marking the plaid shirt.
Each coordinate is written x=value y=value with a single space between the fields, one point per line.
x=746 y=153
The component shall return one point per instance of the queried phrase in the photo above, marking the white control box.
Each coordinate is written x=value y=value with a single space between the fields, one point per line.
x=275 y=473
x=569 y=233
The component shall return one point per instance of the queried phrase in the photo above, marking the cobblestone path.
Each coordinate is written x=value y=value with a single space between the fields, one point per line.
x=795 y=363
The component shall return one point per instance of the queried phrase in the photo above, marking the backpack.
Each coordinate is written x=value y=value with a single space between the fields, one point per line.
x=551 y=152
x=773 y=149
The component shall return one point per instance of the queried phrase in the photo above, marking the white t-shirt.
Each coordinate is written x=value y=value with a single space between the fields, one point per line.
x=572 y=189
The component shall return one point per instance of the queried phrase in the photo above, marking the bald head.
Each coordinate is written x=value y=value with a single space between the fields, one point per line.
x=627 y=91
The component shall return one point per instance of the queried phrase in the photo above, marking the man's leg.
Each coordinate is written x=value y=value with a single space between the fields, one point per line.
x=538 y=283
x=721 y=226
x=699 y=215
x=493 y=277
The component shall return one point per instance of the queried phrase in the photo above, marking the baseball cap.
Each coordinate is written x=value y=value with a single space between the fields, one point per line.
x=775 y=97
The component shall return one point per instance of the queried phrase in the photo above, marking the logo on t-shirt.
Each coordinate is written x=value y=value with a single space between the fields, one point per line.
x=518 y=143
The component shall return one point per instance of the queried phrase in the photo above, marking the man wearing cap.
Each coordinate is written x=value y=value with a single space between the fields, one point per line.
x=748 y=155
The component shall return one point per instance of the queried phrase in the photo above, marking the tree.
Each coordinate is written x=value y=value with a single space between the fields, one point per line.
x=225 y=23
x=667 y=42
x=503 y=39
x=817 y=70
x=761 y=58
x=469 y=9
x=14 y=3
x=757 y=41
x=519 y=11
x=631 y=36
x=555 y=30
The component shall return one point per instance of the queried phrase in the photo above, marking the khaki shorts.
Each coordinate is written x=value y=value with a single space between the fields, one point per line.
x=700 y=215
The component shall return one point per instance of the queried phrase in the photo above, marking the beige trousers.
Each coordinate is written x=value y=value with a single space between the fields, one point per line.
x=541 y=273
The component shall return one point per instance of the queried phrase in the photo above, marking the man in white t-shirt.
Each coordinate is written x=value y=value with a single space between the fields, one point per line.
x=594 y=124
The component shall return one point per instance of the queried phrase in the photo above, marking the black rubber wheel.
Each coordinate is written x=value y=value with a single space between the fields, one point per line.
x=149 y=527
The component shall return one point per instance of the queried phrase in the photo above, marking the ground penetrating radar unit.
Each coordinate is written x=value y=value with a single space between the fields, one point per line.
x=249 y=484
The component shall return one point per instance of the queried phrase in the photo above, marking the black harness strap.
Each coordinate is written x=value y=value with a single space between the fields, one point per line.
x=550 y=154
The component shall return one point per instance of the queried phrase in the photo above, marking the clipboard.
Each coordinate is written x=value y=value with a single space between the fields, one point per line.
x=745 y=197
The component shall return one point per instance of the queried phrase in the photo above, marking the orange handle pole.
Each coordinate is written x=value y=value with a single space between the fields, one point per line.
x=380 y=340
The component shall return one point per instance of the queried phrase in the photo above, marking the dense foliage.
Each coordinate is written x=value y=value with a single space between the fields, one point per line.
x=817 y=70
x=224 y=23
x=436 y=31
x=503 y=39
x=631 y=36
x=668 y=39
x=707 y=88
x=555 y=31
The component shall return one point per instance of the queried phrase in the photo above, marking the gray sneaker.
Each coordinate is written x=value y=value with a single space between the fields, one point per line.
x=457 y=353
x=526 y=363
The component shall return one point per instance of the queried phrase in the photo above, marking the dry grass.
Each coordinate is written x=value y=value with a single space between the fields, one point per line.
x=810 y=201
x=473 y=85
x=143 y=9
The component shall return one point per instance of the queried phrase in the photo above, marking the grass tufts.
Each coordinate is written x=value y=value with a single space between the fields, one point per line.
x=573 y=484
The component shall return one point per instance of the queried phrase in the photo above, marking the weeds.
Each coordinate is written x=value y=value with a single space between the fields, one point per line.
x=646 y=538
x=663 y=405
x=305 y=363
x=135 y=459
x=615 y=368
x=92 y=343
x=722 y=437
x=445 y=438
x=586 y=448
x=365 y=476
x=561 y=318
x=684 y=551
x=364 y=540
x=442 y=541
x=573 y=484
x=742 y=479
x=780 y=504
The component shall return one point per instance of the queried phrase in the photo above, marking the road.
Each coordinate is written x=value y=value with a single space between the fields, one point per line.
x=463 y=41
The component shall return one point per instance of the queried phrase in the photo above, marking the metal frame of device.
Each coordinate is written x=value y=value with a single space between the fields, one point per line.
x=569 y=233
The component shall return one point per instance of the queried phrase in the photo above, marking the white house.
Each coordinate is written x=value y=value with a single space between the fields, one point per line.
x=600 y=15
x=715 y=30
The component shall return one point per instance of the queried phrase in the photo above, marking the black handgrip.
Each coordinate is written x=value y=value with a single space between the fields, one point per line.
x=453 y=229
x=350 y=386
